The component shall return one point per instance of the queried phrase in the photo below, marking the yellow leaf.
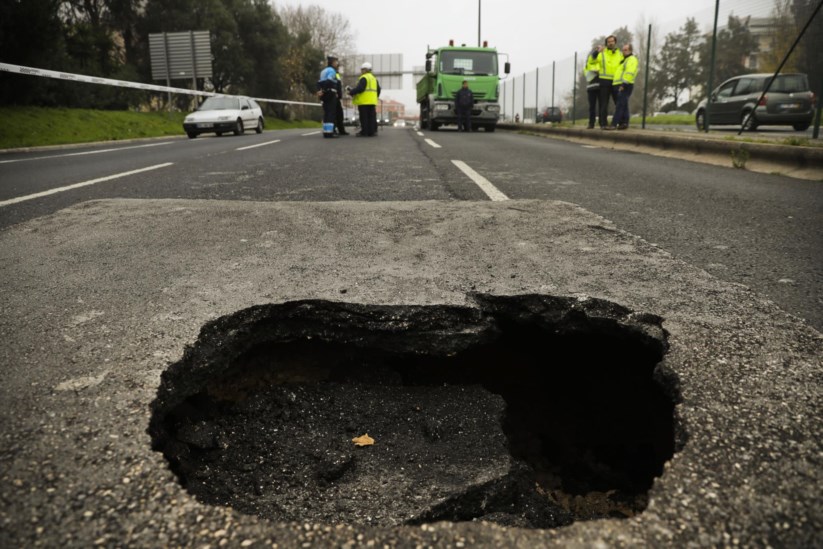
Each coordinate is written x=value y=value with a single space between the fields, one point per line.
x=365 y=440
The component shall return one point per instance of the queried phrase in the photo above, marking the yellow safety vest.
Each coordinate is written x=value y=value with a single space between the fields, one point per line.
x=609 y=63
x=627 y=71
x=592 y=68
x=369 y=95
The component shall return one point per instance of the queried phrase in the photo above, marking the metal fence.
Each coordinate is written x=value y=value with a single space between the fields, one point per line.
x=773 y=24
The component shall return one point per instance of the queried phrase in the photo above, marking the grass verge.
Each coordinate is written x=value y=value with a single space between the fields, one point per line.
x=42 y=126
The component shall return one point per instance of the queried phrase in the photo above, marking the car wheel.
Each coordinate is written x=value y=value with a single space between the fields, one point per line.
x=259 y=128
x=749 y=123
x=700 y=120
x=802 y=127
x=490 y=128
x=191 y=135
x=238 y=128
x=219 y=134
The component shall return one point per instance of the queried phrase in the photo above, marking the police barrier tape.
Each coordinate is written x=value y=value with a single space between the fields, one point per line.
x=30 y=71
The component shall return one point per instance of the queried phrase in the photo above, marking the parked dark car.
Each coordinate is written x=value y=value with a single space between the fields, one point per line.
x=789 y=101
x=550 y=114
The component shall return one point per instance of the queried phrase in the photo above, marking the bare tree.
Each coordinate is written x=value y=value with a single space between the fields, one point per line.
x=330 y=32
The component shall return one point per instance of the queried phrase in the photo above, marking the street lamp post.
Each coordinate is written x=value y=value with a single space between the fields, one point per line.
x=478 y=22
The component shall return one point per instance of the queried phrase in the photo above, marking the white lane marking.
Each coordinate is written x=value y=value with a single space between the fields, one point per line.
x=83 y=184
x=484 y=184
x=312 y=133
x=590 y=147
x=420 y=134
x=85 y=152
x=433 y=144
x=258 y=145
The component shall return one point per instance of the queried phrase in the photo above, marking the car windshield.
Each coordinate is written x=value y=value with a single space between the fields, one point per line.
x=468 y=62
x=219 y=104
x=790 y=83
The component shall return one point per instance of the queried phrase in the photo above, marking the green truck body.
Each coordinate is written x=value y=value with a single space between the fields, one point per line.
x=446 y=68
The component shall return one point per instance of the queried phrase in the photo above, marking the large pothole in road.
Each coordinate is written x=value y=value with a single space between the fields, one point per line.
x=530 y=411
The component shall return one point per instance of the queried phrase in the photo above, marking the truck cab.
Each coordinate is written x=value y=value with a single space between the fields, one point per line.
x=446 y=68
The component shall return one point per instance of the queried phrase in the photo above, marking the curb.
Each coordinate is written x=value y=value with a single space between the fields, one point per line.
x=787 y=155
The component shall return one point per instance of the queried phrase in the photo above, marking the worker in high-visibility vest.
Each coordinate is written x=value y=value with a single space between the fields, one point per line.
x=624 y=82
x=365 y=95
x=610 y=59
x=592 y=73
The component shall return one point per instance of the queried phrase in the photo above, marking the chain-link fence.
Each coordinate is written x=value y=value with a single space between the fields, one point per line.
x=751 y=36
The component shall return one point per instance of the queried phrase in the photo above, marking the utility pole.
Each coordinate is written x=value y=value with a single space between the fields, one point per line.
x=478 y=21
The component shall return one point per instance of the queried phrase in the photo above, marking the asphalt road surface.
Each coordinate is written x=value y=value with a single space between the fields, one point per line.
x=763 y=231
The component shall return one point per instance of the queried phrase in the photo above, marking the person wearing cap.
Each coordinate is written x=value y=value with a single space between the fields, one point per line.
x=463 y=104
x=365 y=95
x=327 y=87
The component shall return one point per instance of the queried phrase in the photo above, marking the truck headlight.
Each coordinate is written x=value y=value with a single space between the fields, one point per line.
x=493 y=108
x=442 y=107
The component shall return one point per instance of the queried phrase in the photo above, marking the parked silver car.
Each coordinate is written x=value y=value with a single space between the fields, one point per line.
x=224 y=114
x=789 y=101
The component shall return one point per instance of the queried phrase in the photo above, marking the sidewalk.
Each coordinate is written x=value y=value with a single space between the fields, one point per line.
x=713 y=148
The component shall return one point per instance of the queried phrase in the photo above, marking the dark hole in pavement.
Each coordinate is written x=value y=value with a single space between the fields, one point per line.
x=529 y=411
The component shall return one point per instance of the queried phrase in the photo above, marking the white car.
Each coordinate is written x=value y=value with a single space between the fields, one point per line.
x=224 y=114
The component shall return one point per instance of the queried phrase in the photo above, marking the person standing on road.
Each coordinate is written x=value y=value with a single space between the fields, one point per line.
x=592 y=72
x=463 y=104
x=327 y=92
x=365 y=95
x=624 y=82
x=339 y=119
x=610 y=59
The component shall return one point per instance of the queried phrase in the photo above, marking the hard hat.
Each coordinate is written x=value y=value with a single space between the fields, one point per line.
x=331 y=58
x=366 y=66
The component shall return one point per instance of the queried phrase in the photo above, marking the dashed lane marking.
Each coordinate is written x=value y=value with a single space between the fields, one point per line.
x=83 y=184
x=84 y=153
x=433 y=144
x=484 y=184
x=258 y=145
x=308 y=134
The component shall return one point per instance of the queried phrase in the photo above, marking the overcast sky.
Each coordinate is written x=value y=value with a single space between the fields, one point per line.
x=533 y=33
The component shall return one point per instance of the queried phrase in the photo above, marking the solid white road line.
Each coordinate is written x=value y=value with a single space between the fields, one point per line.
x=258 y=145
x=484 y=184
x=312 y=133
x=85 y=152
x=83 y=184
x=433 y=144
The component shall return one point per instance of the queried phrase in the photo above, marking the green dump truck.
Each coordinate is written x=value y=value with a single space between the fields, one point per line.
x=446 y=68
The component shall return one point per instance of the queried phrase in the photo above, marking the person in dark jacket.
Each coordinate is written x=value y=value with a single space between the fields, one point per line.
x=339 y=122
x=327 y=93
x=463 y=104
